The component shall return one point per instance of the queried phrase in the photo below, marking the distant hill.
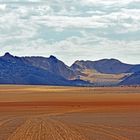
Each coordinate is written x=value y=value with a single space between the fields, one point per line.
x=37 y=70
x=108 y=66
x=105 y=72
x=14 y=70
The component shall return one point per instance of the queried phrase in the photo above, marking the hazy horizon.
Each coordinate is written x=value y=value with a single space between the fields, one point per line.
x=71 y=30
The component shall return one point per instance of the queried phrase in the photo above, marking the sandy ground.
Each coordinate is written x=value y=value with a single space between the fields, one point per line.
x=69 y=113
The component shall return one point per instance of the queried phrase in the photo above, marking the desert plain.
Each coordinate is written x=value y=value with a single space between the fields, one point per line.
x=69 y=113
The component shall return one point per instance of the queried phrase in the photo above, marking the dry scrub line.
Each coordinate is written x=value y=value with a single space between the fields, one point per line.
x=38 y=123
x=9 y=126
x=98 y=131
x=5 y=121
x=45 y=131
x=119 y=128
x=67 y=130
x=56 y=128
x=30 y=130
x=19 y=133
x=101 y=130
x=32 y=125
x=55 y=134
x=118 y=137
x=49 y=128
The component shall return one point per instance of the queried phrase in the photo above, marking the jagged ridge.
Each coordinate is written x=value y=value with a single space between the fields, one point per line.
x=52 y=71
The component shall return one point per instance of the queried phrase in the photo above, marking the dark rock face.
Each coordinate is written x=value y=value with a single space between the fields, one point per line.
x=52 y=71
x=133 y=79
x=134 y=69
x=15 y=70
x=51 y=64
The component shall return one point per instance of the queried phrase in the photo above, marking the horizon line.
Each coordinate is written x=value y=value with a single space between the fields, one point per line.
x=8 y=53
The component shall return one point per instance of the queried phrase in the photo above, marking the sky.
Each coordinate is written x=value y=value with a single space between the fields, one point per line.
x=71 y=29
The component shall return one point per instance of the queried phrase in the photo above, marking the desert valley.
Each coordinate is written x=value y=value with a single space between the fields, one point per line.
x=69 y=113
x=69 y=69
x=44 y=99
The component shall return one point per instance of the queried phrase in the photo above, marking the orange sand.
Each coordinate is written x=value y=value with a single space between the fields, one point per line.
x=69 y=113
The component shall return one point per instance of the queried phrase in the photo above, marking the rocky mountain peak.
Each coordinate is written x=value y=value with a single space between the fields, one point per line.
x=7 y=55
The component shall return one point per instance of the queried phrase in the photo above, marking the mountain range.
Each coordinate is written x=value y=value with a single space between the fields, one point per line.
x=37 y=70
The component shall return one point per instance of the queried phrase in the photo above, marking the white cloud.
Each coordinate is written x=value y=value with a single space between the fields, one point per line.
x=25 y=28
x=2 y=7
x=109 y=2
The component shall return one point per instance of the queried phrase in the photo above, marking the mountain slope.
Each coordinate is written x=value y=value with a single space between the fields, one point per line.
x=107 y=66
x=135 y=69
x=51 y=64
x=102 y=79
x=13 y=70
x=105 y=72
x=51 y=71
x=133 y=79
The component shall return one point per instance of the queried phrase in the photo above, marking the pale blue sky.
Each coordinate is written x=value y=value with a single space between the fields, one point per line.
x=71 y=29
